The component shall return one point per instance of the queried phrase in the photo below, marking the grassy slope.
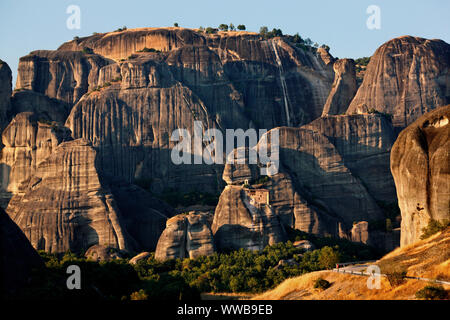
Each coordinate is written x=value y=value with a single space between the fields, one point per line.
x=429 y=258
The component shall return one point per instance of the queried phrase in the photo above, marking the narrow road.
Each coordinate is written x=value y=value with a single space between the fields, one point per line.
x=360 y=268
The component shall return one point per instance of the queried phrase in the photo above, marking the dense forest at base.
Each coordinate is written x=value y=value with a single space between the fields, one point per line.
x=241 y=271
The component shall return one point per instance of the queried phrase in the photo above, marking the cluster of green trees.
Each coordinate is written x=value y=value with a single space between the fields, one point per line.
x=223 y=27
x=434 y=227
x=185 y=279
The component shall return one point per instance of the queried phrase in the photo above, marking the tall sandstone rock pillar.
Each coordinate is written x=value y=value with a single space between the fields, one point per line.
x=420 y=164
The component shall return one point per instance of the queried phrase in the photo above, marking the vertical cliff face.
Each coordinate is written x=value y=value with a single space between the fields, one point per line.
x=420 y=166
x=214 y=84
x=364 y=142
x=406 y=77
x=64 y=75
x=64 y=206
x=332 y=172
x=5 y=93
x=28 y=140
x=68 y=204
x=343 y=89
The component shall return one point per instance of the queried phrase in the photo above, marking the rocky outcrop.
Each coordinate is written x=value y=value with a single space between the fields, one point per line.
x=68 y=205
x=406 y=77
x=140 y=257
x=185 y=236
x=226 y=80
x=304 y=244
x=240 y=223
x=64 y=207
x=17 y=258
x=28 y=140
x=360 y=232
x=5 y=93
x=420 y=166
x=63 y=75
x=364 y=142
x=343 y=89
x=332 y=173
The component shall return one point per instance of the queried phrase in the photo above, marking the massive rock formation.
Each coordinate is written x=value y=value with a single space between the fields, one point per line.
x=63 y=75
x=17 y=257
x=343 y=89
x=406 y=77
x=186 y=236
x=420 y=164
x=364 y=142
x=67 y=205
x=225 y=80
x=241 y=223
x=28 y=140
x=332 y=173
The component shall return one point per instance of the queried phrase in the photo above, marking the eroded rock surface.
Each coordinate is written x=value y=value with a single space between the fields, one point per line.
x=343 y=89
x=406 y=77
x=239 y=223
x=186 y=236
x=420 y=164
x=68 y=205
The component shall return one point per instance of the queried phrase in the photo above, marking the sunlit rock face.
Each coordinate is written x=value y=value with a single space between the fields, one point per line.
x=240 y=223
x=420 y=166
x=343 y=89
x=186 y=236
x=406 y=77
x=332 y=173
x=226 y=80
x=68 y=205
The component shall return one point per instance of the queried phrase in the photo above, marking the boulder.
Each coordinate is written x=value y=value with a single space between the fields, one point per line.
x=305 y=244
x=239 y=222
x=140 y=257
x=186 y=236
x=420 y=165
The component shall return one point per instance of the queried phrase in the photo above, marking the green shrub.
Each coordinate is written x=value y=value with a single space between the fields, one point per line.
x=175 y=24
x=87 y=50
x=321 y=284
x=121 y=29
x=434 y=227
x=223 y=27
x=432 y=292
x=241 y=27
x=210 y=30
x=328 y=257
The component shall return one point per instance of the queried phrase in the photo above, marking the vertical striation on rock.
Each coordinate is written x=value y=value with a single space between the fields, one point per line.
x=343 y=89
x=406 y=77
